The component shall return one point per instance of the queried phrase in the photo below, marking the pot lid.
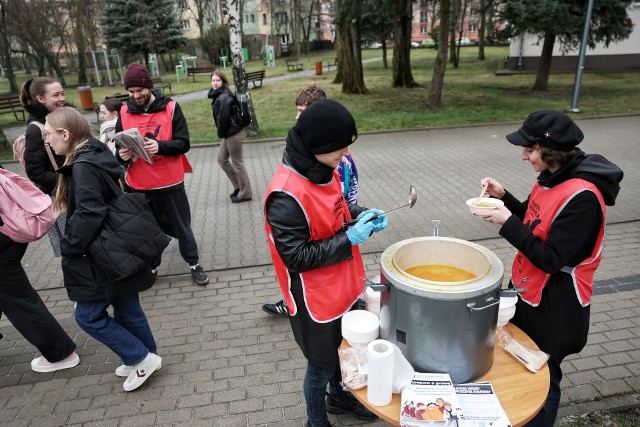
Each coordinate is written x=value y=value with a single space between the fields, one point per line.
x=419 y=251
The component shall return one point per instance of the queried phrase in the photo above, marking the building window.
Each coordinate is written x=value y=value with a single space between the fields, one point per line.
x=253 y=18
x=423 y=29
x=184 y=24
x=424 y=17
x=209 y=21
x=317 y=24
x=281 y=18
x=182 y=4
x=223 y=7
x=264 y=19
x=474 y=12
x=473 y=27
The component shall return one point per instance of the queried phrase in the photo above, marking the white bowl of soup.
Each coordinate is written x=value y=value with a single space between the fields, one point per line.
x=483 y=204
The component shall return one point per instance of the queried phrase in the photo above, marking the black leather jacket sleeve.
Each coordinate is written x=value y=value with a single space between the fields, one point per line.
x=291 y=237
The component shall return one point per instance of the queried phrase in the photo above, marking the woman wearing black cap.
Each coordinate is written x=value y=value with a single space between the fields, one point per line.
x=318 y=266
x=559 y=232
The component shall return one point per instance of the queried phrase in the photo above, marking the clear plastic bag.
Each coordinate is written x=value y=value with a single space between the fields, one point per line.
x=532 y=359
x=353 y=365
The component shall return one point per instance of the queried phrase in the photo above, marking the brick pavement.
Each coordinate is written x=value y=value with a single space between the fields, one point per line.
x=225 y=363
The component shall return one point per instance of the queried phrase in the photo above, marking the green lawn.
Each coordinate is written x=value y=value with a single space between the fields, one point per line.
x=473 y=93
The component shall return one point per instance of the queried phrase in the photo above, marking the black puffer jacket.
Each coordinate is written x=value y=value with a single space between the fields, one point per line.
x=559 y=325
x=39 y=167
x=318 y=341
x=223 y=107
x=88 y=197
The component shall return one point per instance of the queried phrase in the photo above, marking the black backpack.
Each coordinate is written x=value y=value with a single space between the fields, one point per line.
x=243 y=112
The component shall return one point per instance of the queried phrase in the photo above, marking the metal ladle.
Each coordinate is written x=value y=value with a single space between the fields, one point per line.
x=413 y=196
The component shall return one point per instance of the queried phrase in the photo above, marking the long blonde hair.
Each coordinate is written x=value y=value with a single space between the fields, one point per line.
x=72 y=121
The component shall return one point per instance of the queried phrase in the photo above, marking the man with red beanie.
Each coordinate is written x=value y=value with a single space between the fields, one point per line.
x=164 y=128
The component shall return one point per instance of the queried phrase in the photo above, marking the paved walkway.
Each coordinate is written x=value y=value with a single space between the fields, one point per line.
x=226 y=363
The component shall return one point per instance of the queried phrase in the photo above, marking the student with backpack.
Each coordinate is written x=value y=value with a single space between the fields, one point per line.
x=24 y=308
x=231 y=129
x=39 y=97
x=84 y=192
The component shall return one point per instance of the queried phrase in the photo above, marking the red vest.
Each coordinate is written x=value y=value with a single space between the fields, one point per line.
x=545 y=204
x=329 y=292
x=165 y=171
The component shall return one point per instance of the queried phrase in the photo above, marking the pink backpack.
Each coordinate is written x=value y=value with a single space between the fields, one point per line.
x=25 y=211
x=20 y=143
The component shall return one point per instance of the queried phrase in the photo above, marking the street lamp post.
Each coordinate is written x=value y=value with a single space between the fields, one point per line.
x=583 y=47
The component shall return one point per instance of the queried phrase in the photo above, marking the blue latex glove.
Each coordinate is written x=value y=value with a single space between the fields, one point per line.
x=362 y=229
x=380 y=223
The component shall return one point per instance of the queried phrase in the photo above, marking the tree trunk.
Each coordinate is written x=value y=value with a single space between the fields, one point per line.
x=4 y=142
x=402 y=76
x=6 y=53
x=440 y=66
x=80 y=41
x=482 y=29
x=56 y=67
x=385 y=61
x=544 y=65
x=295 y=27
x=349 y=57
x=237 y=59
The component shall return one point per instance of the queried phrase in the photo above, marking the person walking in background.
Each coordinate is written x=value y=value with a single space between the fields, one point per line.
x=318 y=265
x=24 y=308
x=84 y=192
x=223 y=106
x=160 y=120
x=39 y=97
x=559 y=233
x=346 y=169
x=109 y=112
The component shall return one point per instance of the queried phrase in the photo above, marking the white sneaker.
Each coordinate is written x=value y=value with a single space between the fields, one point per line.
x=41 y=364
x=142 y=371
x=124 y=370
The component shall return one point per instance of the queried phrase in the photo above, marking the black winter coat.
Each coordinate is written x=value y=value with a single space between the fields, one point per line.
x=39 y=168
x=559 y=325
x=223 y=107
x=87 y=199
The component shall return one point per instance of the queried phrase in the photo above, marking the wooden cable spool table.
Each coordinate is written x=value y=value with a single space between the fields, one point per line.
x=521 y=392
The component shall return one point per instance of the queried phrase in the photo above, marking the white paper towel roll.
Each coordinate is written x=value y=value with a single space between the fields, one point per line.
x=380 y=372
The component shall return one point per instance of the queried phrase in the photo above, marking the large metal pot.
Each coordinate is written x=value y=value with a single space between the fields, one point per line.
x=441 y=326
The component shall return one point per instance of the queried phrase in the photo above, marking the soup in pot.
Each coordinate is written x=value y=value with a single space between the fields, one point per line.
x=440 y=273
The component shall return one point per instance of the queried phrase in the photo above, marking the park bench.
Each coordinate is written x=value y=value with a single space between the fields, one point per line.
x=158 y=83
x=199 y=71
x=255 y=77
x=10 y=103
x=293 y=63
x=333 y=64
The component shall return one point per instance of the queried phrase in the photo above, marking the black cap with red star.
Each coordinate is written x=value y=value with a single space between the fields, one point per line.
x=549 y=128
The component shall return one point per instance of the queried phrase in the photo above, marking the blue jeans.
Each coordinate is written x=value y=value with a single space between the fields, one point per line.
x=127 y=334
x=315 y=388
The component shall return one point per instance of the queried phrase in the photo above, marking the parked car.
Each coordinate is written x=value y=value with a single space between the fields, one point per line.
x=375 y=45
x=463 y=41
x=428 y=43
x=415 y=44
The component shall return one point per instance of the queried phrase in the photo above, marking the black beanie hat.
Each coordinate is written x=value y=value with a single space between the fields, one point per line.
x=549 y=128
x=326 y=126
x=137 y=75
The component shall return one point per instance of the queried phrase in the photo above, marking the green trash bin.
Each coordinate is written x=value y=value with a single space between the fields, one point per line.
x=245 y=53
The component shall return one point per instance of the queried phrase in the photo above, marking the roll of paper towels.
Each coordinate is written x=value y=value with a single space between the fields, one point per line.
x=380 y=372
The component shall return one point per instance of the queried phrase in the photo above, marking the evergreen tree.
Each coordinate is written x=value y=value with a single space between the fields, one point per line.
x=142 y=26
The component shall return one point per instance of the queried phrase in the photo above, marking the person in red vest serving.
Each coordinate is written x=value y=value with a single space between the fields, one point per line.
x=558 y=232
x=317 y=262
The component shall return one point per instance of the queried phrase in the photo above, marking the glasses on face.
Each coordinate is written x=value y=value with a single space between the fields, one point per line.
x=47 y=134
